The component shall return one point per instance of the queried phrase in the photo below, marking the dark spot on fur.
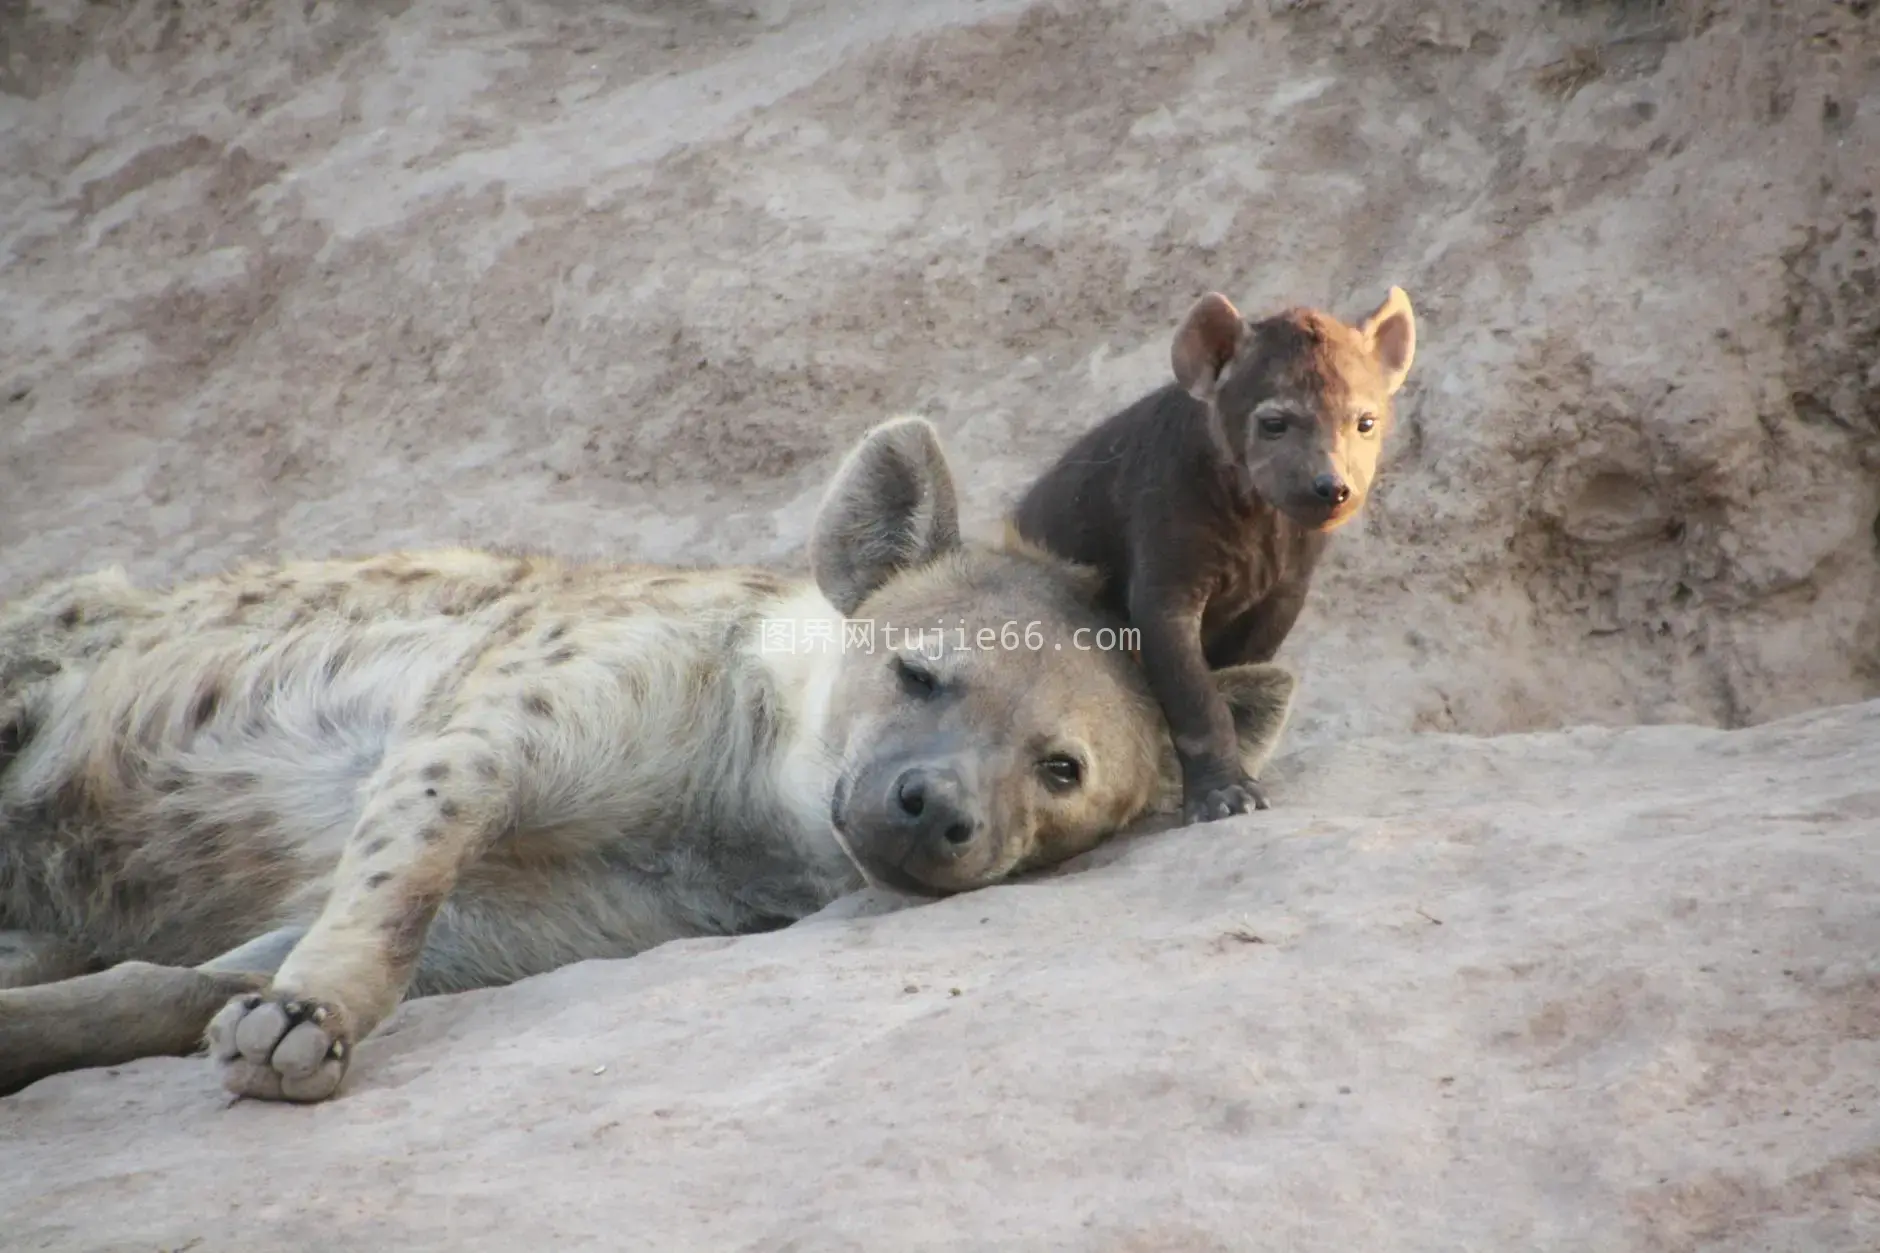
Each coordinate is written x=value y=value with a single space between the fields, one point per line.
x=664 y=581
x=768 y=731
x=531 y=752
x=413 y=576
x=435 y=771
x=509 y=669
x=759 y=585
x=336 y=662
x=554 y=633
x=431 y=834
x=71 y=616
x=537 y=704
x=205 y=707
x=561 y=657
x=404 y=931
x=487 y=768
x=241 y=780
x=430 y=791
x=449 y=809
x=472 y=599
x=248 y=600
x=373 y=847
x=14 y=736
x=378 y=880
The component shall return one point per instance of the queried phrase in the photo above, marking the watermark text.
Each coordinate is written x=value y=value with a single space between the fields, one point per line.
x=865 y=635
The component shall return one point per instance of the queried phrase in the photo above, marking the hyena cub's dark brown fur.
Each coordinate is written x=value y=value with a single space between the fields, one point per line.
x=1207 y=503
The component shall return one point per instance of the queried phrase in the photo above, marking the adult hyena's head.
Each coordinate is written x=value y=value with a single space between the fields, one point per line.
x=997 y=720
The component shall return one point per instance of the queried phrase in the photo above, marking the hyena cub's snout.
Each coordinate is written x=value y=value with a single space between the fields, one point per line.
x=1316 y=489
x=1329 y=487
x=918 y=822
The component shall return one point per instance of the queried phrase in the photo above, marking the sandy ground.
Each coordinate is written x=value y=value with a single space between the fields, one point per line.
x=1589 y=990
x=624 y=279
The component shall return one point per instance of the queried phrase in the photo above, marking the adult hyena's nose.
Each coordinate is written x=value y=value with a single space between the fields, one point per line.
x=932 y=803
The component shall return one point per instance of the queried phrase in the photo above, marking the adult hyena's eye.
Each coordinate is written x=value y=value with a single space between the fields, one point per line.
x=917 y=680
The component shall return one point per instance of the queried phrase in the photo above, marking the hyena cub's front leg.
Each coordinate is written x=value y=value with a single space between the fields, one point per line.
x=431 y=810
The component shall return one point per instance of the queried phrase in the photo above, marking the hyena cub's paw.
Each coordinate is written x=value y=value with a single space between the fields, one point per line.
x=1212 y=803
x=275 y=1048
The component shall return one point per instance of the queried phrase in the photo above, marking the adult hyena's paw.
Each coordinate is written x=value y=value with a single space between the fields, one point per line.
x=276 y=1048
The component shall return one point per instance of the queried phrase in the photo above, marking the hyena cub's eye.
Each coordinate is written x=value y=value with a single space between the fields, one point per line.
x=918 y=680
x=1062 y=773
x=1367 y=424
x=1272 y=428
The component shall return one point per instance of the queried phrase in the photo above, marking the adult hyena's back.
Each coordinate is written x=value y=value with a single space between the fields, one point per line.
x=72 y=621
x=73 y=624
x=65 y=623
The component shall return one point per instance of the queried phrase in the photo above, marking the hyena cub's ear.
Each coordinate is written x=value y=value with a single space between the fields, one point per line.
x=1260 y=697
x=890 y=508
x=1208 y=339
x=1392 y=334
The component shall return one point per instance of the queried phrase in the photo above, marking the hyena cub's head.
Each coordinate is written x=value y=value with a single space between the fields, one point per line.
x=998 y=721
x=1302 y=400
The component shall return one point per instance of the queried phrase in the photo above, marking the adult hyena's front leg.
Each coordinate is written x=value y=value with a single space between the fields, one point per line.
x=431 y=811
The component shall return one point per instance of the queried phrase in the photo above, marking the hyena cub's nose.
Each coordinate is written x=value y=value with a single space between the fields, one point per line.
x=1331 y=489
x=933 y=802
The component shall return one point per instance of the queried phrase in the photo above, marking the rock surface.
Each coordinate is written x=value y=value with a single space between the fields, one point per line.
x=623 y=279
x=1614 y=990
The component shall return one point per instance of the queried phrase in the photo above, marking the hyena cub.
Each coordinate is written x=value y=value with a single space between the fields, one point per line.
x=272 y=805
x=1207 y=503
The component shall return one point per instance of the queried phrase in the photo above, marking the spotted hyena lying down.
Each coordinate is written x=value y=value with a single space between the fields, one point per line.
x=264 y=808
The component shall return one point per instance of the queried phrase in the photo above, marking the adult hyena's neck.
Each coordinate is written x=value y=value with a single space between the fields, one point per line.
x=799 y=645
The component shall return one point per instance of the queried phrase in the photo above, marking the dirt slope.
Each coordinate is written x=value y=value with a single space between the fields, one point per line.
x=624 y=278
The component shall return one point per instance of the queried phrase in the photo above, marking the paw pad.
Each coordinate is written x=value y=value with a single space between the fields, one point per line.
x=279 y=1050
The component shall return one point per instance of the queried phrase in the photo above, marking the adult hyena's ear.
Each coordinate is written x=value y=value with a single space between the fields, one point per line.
x=1260 y=696
x=1392 y=333
x=890 y=508
x=1205 y=343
